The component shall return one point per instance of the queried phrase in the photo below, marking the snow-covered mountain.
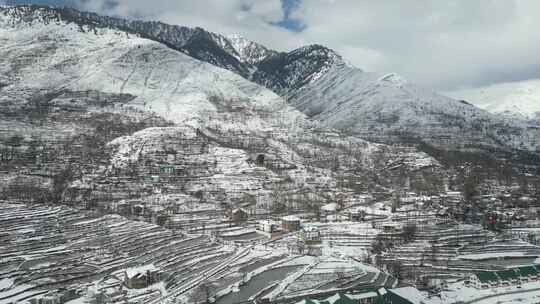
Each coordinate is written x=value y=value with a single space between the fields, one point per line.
x=521 y=98
x=118 y=106
x=385 y=107
x=286 y=72
x=60 y=55
x=196 y=42
x=193 y=78
x=317 y=81
x=388 y=108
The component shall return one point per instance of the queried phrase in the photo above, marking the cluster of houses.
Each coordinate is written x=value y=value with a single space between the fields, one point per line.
x=309 y=234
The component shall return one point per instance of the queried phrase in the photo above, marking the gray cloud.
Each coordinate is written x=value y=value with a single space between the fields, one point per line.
x=442 y=44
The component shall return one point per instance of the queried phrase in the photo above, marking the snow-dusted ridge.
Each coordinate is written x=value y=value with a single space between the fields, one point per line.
x=520 y=99
x=247 y=50
x=390 y=109
x=196 y=42
x=165 y=81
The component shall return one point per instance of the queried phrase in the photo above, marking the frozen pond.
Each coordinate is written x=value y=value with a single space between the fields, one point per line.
x=257 y=283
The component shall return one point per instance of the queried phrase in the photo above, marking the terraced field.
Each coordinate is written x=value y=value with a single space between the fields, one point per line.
x=77 y=256
x=57 y=248
x=454 y=250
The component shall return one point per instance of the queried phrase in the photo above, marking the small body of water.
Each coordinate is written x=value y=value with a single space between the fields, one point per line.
x=257 y=283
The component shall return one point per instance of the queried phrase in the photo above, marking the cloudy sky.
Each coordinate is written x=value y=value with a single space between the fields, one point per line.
x=445 y=45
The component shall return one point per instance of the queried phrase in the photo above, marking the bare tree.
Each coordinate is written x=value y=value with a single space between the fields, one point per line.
x=61 y=181
x=409 y=232
x=340 y=272
x=396 y=269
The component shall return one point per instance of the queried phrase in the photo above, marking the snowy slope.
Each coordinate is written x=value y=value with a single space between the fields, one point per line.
x=519 y=98
x=249 y=51
x=285 y=72
x=196 y=42
x=244 y=50
x=63 y=70
x=62 y=55
x=313 y=79
x=388 y=108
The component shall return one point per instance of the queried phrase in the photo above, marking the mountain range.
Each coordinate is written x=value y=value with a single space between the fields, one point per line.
x=114 y=99
x=318 y=82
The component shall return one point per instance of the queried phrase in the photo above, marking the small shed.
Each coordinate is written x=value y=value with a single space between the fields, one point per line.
x=390 y=227
x=123 y=208
x=138 y=209
x=339 y=298
x=161 y=218
x=141 y=277
x=310 y=234
x=329 y=208
x=357 y=214
x=238 y=215
x=290 y=223
x=267 y=226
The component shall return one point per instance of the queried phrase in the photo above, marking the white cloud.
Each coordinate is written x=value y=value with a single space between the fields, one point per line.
x=443 y=44
x=250 y=18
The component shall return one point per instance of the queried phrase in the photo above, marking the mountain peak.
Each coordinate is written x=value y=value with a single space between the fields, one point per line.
x=246 y=50
x=318 y=51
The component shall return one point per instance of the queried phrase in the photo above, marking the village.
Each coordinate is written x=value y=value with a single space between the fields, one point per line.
x=139 y=210
x=188 y=215
x=141 y=252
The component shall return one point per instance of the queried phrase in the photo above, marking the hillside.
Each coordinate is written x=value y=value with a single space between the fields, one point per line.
x=113 y=108
x=388 y=108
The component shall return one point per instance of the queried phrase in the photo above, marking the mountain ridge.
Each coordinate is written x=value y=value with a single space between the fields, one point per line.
x=317 y=81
